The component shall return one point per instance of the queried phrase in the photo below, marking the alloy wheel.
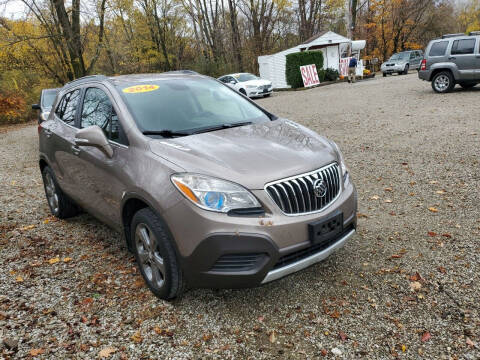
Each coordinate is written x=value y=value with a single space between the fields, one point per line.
x=150 y=259
x=51 y=191
x=442 y=82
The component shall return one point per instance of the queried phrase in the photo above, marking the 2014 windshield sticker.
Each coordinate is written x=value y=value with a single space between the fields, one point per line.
x=140 y=89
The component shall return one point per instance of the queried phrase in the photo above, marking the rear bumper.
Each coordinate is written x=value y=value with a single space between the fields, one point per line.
x=424 y=75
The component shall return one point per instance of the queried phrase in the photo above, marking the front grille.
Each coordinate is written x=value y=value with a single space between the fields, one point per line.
x=296 y=195
x=311 y=250
x=237 y=262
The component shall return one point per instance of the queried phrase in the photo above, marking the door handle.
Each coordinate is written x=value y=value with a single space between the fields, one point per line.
x=76 y=150
x=452 y=58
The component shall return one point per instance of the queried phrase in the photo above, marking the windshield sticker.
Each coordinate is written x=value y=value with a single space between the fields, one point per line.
x=236 y=76
x=140 y=89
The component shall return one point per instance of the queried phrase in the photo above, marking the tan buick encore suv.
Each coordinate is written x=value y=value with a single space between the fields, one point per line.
x=209 y=189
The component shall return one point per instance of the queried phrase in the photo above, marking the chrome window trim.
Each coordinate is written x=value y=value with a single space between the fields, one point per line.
x=280 y=181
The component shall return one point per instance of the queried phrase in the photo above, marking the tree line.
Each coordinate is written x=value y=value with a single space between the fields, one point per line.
x=57 y=41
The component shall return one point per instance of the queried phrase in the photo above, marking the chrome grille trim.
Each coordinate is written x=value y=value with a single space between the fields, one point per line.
x=295 y=196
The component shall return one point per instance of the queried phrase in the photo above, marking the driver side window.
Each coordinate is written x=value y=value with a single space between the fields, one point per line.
x=98 y=110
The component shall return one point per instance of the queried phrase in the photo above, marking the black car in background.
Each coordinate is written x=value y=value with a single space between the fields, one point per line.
x=47 y=98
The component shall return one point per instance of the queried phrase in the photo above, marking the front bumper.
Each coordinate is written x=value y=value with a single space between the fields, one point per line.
x=393 y=69
x=259 y=93
x=221 y=251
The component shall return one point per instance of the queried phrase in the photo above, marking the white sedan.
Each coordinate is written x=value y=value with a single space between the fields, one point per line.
x=248 y=84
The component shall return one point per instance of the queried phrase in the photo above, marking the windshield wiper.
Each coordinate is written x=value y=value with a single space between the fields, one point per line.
x=166 y=133
x=219 y=127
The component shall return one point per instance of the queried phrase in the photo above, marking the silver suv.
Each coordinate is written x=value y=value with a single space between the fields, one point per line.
x=453 y=59
x=208 y=188
x=402 y=62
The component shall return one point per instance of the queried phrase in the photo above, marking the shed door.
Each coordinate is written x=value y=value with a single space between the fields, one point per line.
x=332 y=57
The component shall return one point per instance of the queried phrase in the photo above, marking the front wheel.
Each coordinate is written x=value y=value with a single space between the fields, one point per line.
x=443 y=82
x=405 y=71
x=242 y=91
x=155 y=255
x=384 y=74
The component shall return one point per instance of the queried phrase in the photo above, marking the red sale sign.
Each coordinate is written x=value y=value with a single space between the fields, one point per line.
x=309 y=75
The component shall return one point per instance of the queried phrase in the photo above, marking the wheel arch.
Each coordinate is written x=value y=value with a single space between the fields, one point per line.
x=130 y=206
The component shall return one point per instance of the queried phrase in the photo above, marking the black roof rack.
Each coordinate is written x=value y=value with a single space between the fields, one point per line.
x=453 y=35
x=88 y=77
x=474 y=33
x=186 y=72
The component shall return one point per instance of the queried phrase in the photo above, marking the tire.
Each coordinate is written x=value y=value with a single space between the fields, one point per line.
x=443 y=82
x=405 y=71
x=467 y=85
x=242 y=91
x=267 y=95
x=61 y=206
x=384 y=74
x=155 y=254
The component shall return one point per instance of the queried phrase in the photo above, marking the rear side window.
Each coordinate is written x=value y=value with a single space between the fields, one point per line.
x=67 y=107
x=438 y=48
x=464 y=46
x=98 y=110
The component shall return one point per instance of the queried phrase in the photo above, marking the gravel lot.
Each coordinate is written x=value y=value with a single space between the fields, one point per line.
x=406 y=286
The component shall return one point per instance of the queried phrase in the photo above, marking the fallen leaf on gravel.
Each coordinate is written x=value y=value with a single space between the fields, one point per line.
x=404 y=348
x=388 y=189
x=442 y=269
x=388 y=201
x=87 y=301
x=426 y=336
x=360 y=215
x=440 y=191
x=54 y=260
x=447 y=235
x=324 y=352
x=396 y=256
x=28 y=227
x=36 y=352
x=415 y=286
x=19 y=279
x=137 y=337
x=342 y=336
x=432 y=234
x=207 y=337
x=272 y=338
x=106 y=352
x=433 y=182
x=67 y=259
x=415 y=277
x=432 y=209
x=470 y=342
x=261 y=318
x=374 y=197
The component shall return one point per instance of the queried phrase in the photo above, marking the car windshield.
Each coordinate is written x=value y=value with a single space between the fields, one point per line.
x=399 y=56
x=187 y=104
x=48 y=97
x=245 y=77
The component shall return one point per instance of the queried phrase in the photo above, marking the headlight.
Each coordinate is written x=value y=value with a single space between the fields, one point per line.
x=343 y=166
x=251 y=86
x=214 y=194
x=44 y=115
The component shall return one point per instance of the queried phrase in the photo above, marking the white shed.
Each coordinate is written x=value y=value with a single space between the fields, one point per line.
x=333 y=46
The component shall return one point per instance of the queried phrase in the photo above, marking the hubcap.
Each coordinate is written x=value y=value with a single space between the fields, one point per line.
x=442 y=82
x=149 y=257
x=51 y=191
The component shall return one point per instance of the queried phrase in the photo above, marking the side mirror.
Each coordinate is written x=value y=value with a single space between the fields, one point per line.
x=233 y=82
x=94 y=136
x=36 y=107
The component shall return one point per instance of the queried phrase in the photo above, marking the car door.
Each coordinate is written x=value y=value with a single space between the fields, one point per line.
x=60 y=150
x=477 y=61
x=462 y=54
x=101 y=177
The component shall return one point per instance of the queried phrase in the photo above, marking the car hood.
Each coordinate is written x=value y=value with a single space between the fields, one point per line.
x=398 y=62
x=251 y=155
x=258 y=82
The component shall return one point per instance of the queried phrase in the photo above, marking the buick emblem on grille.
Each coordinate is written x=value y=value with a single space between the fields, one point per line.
x=320 y=188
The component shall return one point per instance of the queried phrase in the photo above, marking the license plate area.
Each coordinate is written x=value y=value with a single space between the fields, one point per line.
x=326 y=229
